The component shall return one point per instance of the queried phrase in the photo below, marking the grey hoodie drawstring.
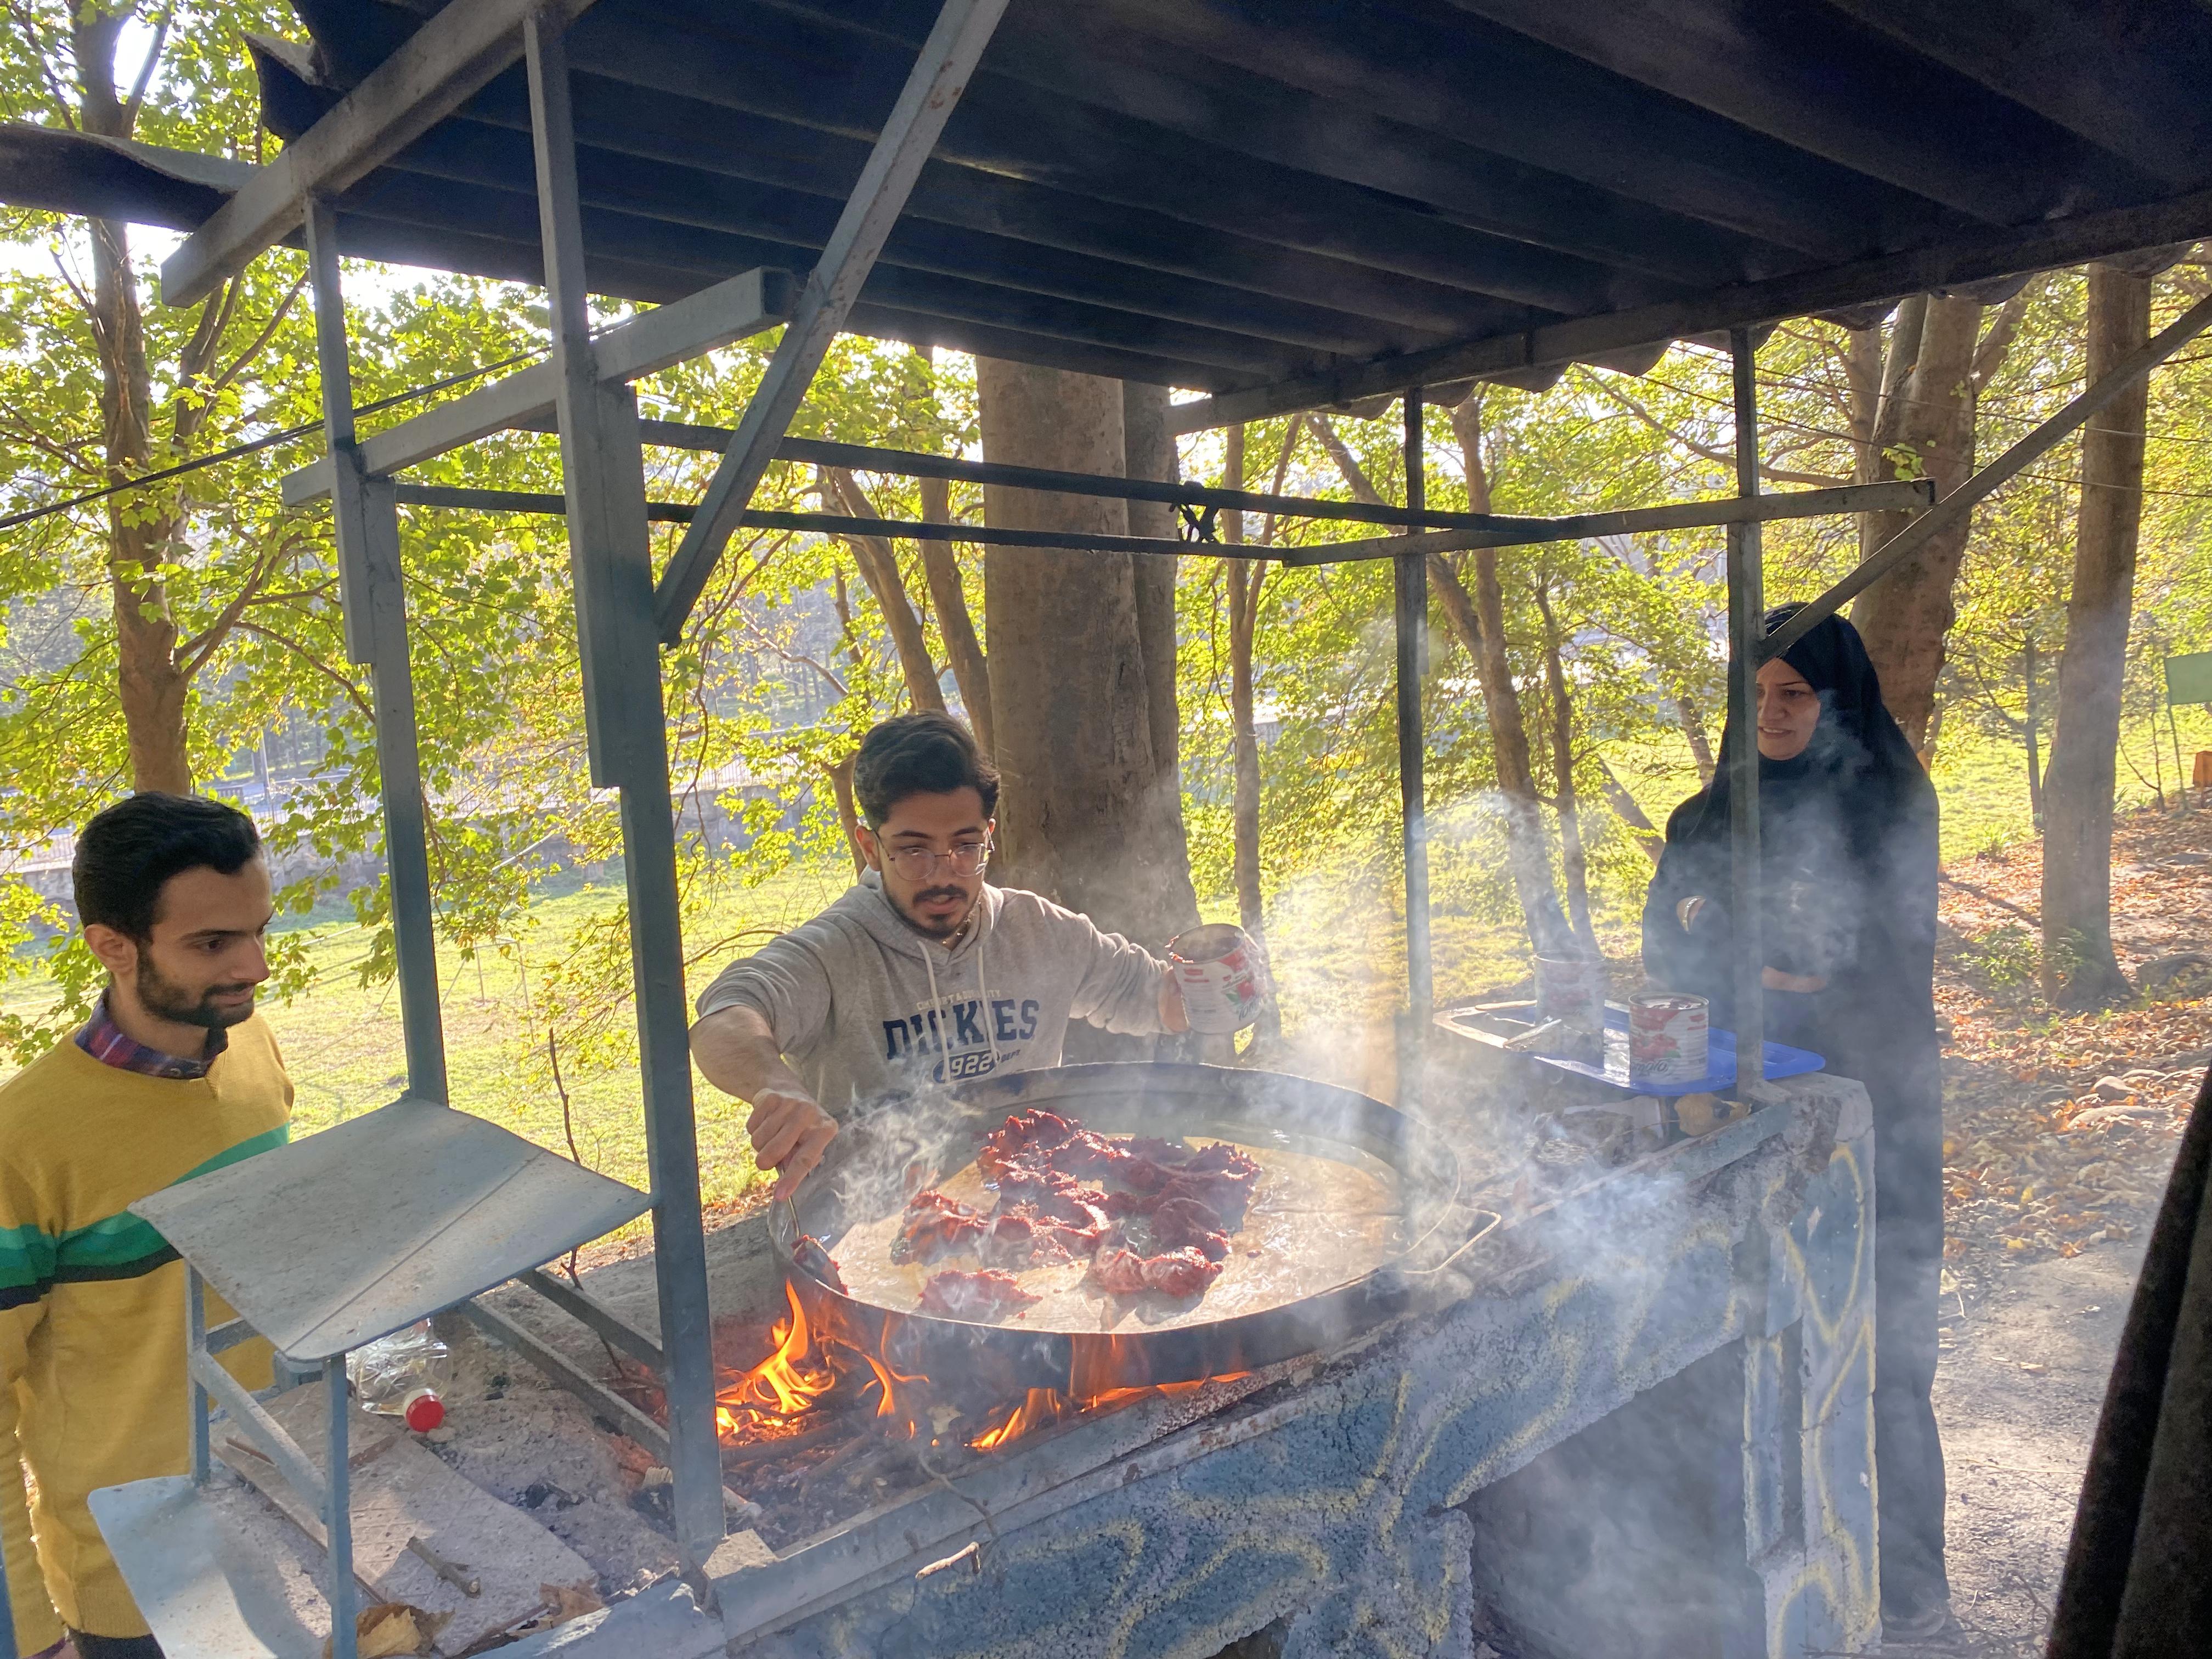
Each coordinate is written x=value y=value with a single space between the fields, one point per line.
x=938 y=1007
x=943 y=1020
x=983 y=990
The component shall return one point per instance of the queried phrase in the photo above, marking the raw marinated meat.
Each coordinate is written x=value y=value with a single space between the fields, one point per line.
x=1118 y=1271
x=1020 y=1238
x=1028 y=1136
x=1162 y=1224
x=987 y=1295
x=1047 y=1191
x=934 y=1225
x=1190 y=1224
x=812 y=1253
x=1179 y=1273
x=1088 y=1153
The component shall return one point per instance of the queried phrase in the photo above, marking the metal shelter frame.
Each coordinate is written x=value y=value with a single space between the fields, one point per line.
x=584 y=392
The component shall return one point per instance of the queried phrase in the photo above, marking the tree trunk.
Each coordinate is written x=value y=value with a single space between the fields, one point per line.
x=1451 y=591
x=2033 y=736
x=1087 y=818
x=1694 y=728
x=1640 y=827
x=1149 y=451
x=1574 y=864
x=879 y=562
x=1244 y=581
x=948 y=598
x=141 y=528
x=848 y=812
x=1938 y=362
x=1527 y=848
x=2079 y=967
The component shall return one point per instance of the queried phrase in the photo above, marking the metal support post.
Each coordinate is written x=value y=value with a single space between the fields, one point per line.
x=367 y=517
x=337 y=1513
x=603 y=463
x=1410 y=619
x=196 y=1342
x=940 y=76
x=1746 y=610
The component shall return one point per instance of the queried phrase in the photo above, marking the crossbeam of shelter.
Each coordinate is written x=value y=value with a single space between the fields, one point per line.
x=1500 y=530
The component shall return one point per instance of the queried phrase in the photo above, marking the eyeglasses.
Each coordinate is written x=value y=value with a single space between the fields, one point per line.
x=920 y=863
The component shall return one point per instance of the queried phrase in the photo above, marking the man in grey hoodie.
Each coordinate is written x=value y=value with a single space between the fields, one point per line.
x=923 y=974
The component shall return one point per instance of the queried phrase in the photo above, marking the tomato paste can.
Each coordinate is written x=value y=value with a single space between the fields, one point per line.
x=1667 y=1034
x=1221 y=975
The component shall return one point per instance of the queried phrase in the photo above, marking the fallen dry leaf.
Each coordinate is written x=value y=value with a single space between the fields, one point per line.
x=391 y=1629
x=567 y=1601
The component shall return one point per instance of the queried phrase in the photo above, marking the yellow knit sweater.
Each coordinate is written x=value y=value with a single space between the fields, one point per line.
x=92 y=1302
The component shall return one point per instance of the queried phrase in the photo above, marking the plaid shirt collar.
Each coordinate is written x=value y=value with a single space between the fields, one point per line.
x=106 y=1042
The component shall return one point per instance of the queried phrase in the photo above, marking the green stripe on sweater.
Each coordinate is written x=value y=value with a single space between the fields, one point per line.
x=115 y=1247
x=27 y=1257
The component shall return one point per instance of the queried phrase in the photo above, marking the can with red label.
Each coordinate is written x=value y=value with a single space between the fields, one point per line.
x=1222 y=981
x=1667 y=1037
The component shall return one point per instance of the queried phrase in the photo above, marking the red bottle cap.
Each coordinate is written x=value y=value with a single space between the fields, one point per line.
x=424 y=1411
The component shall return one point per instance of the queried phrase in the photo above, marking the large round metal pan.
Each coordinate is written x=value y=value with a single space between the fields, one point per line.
x=1352 y=1188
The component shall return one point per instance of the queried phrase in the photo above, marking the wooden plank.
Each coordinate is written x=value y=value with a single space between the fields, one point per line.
x=2137 y=91
x=2035 y=248
x=680 y=194
x=723 y=143
x=433 y=73
x=1489 y=173
x=1798 y=72
x=401 y=1490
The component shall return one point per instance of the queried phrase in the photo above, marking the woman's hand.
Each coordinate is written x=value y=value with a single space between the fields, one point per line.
x=1775 y=979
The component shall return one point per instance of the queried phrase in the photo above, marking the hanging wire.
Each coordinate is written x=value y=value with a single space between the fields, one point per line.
x=235 y=451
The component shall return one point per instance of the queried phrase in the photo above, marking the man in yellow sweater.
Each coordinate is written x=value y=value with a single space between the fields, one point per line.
x=173 y=1077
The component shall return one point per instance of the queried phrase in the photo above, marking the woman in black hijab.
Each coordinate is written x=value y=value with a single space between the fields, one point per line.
x=1847 y=882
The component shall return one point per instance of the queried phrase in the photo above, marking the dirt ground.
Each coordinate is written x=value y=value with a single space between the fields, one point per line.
x=2060 y=1132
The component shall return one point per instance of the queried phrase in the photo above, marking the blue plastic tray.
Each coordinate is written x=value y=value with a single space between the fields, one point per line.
x=1781 y=1061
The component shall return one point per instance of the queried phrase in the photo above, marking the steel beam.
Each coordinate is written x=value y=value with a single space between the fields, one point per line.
x=564 y=1373
x=1410 y=621
x=833 y=524
x=1961 y=501
x=603 y=466
x=1747 y=606
x=1902 y=495
x=940 y=76
x=742 y=305
x=590 y=1310
x=432 y=73
x=337 y=1512
x=2040 y=246
x=373 y=601
x=907 y=463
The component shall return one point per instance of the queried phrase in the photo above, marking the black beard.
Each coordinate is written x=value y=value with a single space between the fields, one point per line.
x=925 y=898
x=166 y=1000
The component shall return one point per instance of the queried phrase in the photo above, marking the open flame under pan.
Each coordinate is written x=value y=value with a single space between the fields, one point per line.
x=1352 y=1188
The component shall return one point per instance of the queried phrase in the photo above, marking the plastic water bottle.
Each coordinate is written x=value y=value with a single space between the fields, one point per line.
x=401 y=1376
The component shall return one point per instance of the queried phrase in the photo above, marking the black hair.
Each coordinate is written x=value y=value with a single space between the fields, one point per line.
x=127 y=854
x=924 y=754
